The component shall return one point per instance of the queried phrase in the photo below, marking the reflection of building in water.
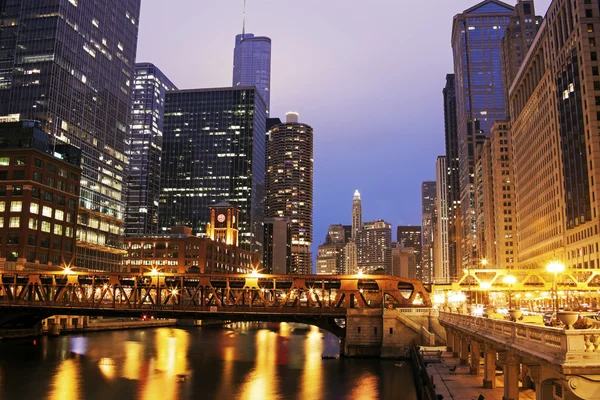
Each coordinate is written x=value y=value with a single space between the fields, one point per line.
x=260 y=383
x=65 y=385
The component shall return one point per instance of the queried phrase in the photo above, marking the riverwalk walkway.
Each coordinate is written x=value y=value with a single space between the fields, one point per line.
x=453 y=381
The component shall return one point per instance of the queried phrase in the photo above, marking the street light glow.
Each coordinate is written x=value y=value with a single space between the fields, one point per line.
x=555 y=267
x=485 y=285
x=154 y=271
x=255 y=273
x=484 y=261
x=67 y=270
x=509 y=280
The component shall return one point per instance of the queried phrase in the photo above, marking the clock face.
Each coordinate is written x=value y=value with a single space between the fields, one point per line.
x=221 y=218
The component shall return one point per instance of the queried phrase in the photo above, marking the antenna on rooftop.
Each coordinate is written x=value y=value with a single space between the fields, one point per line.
x=244 y=23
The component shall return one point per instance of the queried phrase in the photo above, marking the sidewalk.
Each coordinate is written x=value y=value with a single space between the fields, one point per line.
x=463 y=385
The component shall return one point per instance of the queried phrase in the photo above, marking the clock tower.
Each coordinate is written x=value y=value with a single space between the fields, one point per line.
x=223 y=225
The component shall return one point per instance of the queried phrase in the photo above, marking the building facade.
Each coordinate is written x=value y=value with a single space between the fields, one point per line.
x=453 y=181
x=214 y=151
x=145 y=149
x=403 y=261
x=277 y=253
x=557 y=151
x=410 y=237
x=373 y=246
x=441 y=272
x=252 y=64
x=329 y=259
x=180 y=251
x=428 y=193
x=70 y=67
x=289 y=185
x=480 y=99
x=39 y=193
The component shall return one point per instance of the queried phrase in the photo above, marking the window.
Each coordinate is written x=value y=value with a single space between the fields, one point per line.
x=13 y=238
x=51 y=168
x=62 y=172
x=68 y=231
x=59 y=215
x=33 y=223
x=3 y=175
x=50 y=182
x=4 y=161
x=15 y=222
x=37 y=177
x=73 y=177
x=45 y=242
x=16 y=206
x=19 y=174
x=1 y=222
x=34 y=208
x=38 y=163
x=58 y=229
x=32 y=240
x=71 y=204
x=2 y=206
x=20 y=160
x=60 y=200
x=47 y=211
x=17 y=190
x=47 y=196
x=57 y=245
x=45 y=226
x=35 y=193
x=2 y=190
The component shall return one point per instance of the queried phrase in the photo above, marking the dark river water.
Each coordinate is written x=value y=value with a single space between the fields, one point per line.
x=244 y=361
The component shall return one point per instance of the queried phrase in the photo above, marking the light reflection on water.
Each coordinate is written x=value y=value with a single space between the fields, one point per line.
x=249 y=361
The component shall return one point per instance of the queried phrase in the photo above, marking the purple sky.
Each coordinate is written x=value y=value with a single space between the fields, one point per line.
x=366 y=75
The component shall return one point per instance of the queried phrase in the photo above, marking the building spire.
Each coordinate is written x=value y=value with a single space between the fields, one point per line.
x=244 y=22
x=356 y=195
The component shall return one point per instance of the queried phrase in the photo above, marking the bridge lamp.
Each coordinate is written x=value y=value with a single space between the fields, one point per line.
x=360 y=272
x=484 y=262
x=555 y=267
x=509 y=280
x=154 y=271
x=67 y=270
x=254 y=273
x=174 y=291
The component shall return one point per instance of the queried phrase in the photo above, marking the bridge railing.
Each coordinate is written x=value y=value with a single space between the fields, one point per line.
x=580 y=347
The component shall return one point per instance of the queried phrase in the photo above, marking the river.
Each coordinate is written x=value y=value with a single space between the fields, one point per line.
x=243 y=361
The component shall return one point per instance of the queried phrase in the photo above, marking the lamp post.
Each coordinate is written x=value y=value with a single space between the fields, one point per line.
x=555 y=267
x=509 y=280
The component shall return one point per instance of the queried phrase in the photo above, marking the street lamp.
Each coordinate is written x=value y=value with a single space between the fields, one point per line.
x=509 y=280
x=555 y=267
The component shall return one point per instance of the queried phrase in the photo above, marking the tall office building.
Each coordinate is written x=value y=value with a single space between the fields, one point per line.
x=289 y=185
x=428 y=193
x=70 y=66
x=214 y=151
x=555 y=124
x=403 y=261
x=374 y=247
x=410 y=237
x=480 y=99
x=330 y=259
x=441 y=272
x=336 y=234
x=252 y=64
x=484 y=202
x=453 y=181
x=356 y=214
x=143 y=182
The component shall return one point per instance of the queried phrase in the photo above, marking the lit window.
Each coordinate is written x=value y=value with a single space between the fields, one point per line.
x=2 y=206
x=59 y=215
x=4 y=161
x=58 y=229
x=15 y=222
x=45 y=226
x=1 y=222
x=68 y=231
x=47 y=211
x=16 y=206
x=34 y=208
x=33 y=223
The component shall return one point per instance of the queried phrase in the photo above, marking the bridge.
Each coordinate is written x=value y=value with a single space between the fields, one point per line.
x=354 y=307
x=561 y=364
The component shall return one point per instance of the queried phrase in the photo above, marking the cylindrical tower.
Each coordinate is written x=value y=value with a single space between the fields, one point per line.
x=289 y=185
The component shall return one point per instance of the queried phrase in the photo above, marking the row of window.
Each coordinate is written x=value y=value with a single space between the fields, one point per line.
x=34 y=223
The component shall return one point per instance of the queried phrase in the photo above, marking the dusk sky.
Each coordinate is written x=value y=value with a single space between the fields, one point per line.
x=366 y=75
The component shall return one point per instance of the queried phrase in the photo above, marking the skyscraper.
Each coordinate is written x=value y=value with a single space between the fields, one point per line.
x=70 y=66
x=277 y=254
x=289 y=185
x=252 y=64
x=480 y=98
x=428 y=193
x=441 y=272
x=214 y=151
x=374 y=247
x=356 y=214
x=453 y=181
x=143 y=182
x=410 y=237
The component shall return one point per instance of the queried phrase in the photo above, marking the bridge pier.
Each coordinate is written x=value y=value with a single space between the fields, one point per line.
x=464 y=350
x=364 y=332
x=475 y=356
x=449 y=340
x=511 y=364
x=489 y=368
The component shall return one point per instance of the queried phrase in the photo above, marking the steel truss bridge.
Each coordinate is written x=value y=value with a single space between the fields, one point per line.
x=27 y=297
x=526 y=280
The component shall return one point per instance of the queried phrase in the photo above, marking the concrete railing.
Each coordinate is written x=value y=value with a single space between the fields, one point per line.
x=569 y=348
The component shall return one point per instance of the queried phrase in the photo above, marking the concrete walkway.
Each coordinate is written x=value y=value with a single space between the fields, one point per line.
x=462 y=385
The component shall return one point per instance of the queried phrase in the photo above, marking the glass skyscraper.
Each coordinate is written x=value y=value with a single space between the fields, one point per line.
x=252 y=64
x=69 y=64
x=213 y=151
x=476 y=44
x=143 y=181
